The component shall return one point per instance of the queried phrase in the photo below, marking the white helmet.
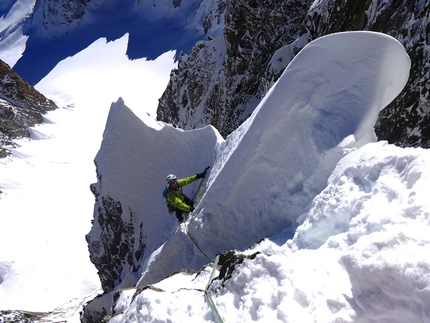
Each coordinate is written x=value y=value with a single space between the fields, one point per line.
x=171 y=178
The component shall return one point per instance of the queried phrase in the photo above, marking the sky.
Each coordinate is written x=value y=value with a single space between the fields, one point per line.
x=306 y=157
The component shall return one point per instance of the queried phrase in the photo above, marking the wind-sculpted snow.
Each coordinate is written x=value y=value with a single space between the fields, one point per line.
x=360 y=256
x=266 y=175
x=132 y=165
x=263 y=177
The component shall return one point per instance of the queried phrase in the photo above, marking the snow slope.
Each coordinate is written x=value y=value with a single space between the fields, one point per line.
x=360 y=256
x=281 y=158
x=12 y=39
x=35 y=36
x=262 y=183
x=46 y=205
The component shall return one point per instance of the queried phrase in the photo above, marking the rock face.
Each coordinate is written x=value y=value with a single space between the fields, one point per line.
x=223 y=79
x=58 y=13
x=57 y=29
x=20 y=316
x=115 y=252
x=21 y=107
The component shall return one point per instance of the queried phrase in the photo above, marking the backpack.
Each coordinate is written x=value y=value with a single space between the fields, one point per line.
x=170 y=208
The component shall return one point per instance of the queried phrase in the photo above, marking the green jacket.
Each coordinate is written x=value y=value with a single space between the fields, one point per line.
x=176 y=197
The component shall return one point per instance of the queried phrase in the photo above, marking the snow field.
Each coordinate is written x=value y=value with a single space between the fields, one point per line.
x=46 y=205
x=373 y=269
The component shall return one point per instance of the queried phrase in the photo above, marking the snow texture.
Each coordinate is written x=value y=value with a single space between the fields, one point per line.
x=266 y=174
x=46 y=205
x=359 y=251
x=304 y=158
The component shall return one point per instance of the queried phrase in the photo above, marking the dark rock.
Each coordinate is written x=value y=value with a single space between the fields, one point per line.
x=404 y=122
x=222 y=81
x=226 y=84
x=229 y=261
x=9 y=316
x=21 y=107
x=115 y=252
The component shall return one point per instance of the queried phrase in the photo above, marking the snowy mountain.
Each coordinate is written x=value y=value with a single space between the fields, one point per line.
x=57 y=29
x=46 y=205
x=223 y=79
x=241 y=49
x=307 y=225
x=265 y=182
x=21 y=107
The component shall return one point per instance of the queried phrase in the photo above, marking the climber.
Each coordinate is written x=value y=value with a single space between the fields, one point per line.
x=176 y=199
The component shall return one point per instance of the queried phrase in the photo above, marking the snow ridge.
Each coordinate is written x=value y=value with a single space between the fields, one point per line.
x=293 y=141
x=278 y=161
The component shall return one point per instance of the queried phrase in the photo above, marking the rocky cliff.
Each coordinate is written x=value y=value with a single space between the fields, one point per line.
x=57 y=29
x=21 y=107
x=125 y=190
x=222 y=80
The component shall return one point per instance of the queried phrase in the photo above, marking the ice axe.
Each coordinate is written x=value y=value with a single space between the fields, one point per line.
x=203 y=174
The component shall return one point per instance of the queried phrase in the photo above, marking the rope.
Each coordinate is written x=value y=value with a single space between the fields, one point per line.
x=208 y=295
x=200 y=185
x=192 y=239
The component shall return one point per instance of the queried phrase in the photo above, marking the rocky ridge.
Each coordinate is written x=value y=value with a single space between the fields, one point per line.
x=226 y=265
x=21 y=107
x=57 y=13
x=222 y=80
